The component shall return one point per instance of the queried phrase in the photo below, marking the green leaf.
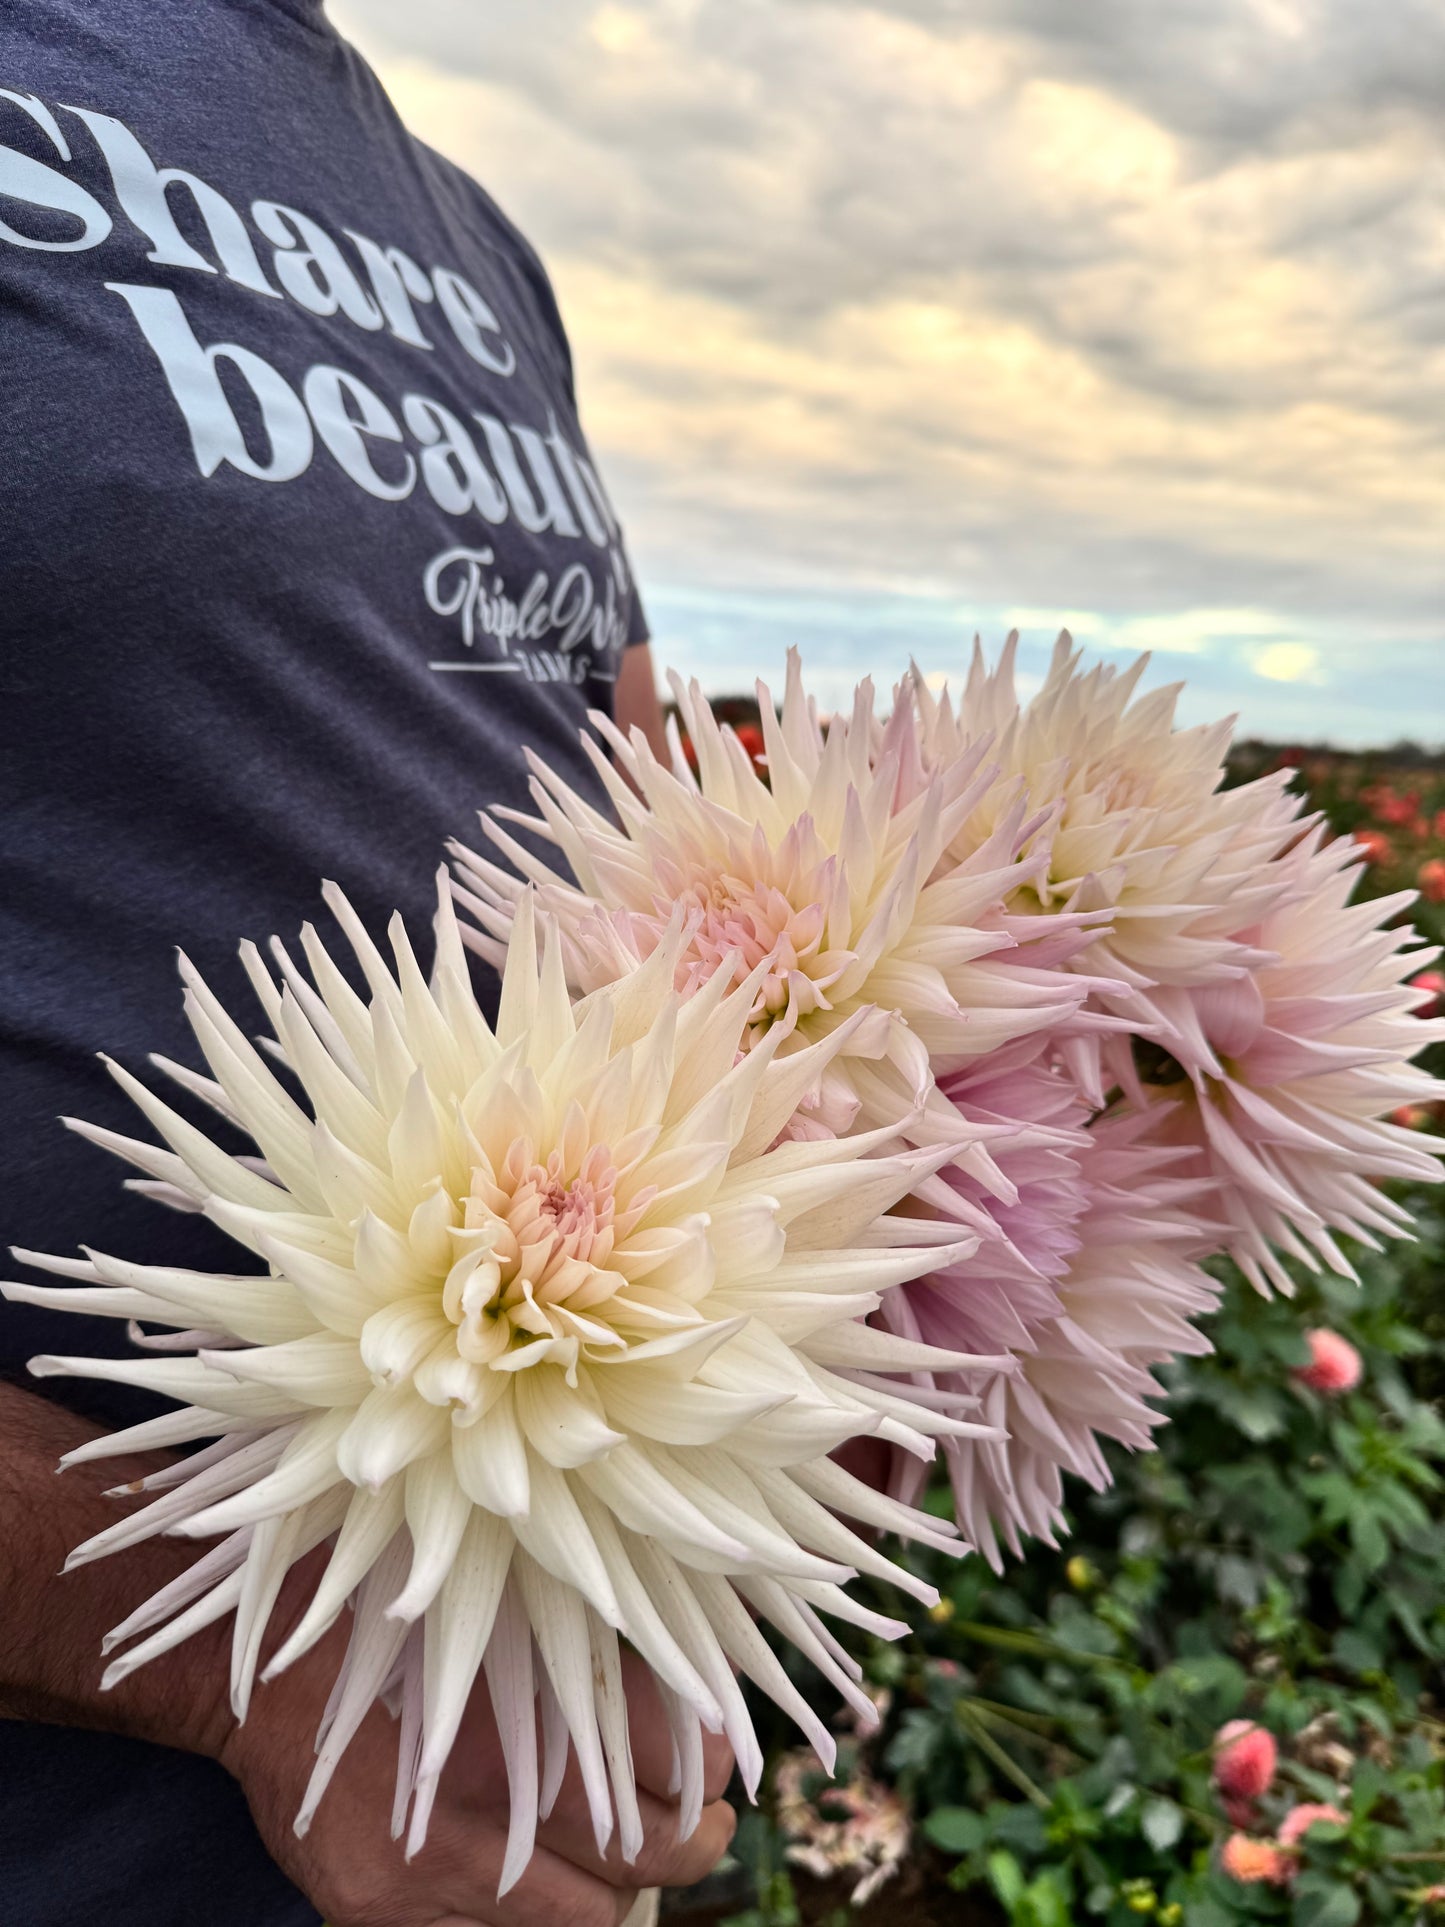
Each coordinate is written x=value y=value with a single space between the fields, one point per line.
x=1357 y=1651
x=1006 y=1877
x=1370 y=1540
x=1322 y=1901
x=1161 y=1823
x=956 y=1829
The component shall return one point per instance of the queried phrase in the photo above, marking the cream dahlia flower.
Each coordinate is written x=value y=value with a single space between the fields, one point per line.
x=552 y=1345
x=829 y=883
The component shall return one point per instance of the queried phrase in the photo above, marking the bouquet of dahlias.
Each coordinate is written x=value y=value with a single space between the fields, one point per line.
x=882 y=1101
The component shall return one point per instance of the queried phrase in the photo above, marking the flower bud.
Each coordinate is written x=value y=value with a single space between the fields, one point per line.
x=1334 y=1365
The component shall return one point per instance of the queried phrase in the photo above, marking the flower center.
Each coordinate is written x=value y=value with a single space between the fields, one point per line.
x=756 y=923
x=537 y=1237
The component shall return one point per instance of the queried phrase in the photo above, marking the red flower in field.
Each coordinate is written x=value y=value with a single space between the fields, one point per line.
x=1389 y=807
x=1431 y=878
x=1334 y=1365
x=1409 y=1117
x=1419 y=827
x=1376 y=847
x=1434 y=982
x=1247 y=1859
x=1298 y=1821
x=751 y=738
x=1244 y=1760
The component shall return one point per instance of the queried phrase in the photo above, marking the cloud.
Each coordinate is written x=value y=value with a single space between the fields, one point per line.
x=1135 y=311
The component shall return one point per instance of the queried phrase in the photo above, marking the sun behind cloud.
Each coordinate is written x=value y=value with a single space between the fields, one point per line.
x=1288 y=662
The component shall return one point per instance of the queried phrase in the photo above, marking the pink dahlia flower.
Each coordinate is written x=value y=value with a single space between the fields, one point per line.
x=1087 y=1276
x=1284 y=1079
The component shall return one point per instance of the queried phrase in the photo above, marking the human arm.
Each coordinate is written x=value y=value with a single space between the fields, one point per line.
x=636 y=700
x=50 y=1634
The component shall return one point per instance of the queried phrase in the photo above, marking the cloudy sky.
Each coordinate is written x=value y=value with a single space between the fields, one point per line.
x=897 y=321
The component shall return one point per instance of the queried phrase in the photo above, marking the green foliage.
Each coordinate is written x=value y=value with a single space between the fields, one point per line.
x=1280 y=1558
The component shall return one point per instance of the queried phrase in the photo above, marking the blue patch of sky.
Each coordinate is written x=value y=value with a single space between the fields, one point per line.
x=1325 y=687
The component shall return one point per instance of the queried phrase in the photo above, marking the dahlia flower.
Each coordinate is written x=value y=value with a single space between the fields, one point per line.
x=831 y=880
x=1086 y=1279
x=1266 y=1012
x=1287 y=1078
x=553 y=1343
x=864 y=1836
x=1130 y=821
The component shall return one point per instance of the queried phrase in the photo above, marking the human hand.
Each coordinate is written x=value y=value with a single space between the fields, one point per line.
x=355 y=1874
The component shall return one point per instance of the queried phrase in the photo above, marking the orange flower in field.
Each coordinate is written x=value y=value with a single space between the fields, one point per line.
x=1244 y=1760
x=1376 y=846
x=1409 y=1117
x=1298 y=1821
x=1334 y=1367
x=1431 y=878
x=1248 y=1859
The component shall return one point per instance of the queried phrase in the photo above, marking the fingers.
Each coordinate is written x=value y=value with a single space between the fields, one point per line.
x=467 y=1869
x=664 y=1860
x=651 y=1738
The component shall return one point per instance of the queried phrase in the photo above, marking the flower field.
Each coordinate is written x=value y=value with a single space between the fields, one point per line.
x=1222 y=1698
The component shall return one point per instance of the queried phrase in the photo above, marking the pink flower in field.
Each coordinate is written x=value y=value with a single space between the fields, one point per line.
x=1247 y=1859
x=1298 y=1821
x=1245 y=1759
x=1334 y=1365
x=1432 y=981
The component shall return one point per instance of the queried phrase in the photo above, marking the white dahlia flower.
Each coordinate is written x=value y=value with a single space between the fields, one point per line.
x=830 y=883
x=554 y=1340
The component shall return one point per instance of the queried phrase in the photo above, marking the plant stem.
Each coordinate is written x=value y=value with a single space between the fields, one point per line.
x=1003 y=1760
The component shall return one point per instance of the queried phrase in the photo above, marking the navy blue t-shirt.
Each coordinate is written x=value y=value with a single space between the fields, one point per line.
x=300 y=545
